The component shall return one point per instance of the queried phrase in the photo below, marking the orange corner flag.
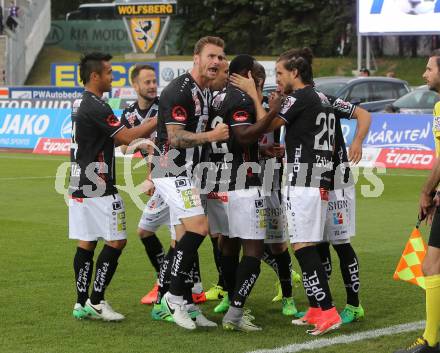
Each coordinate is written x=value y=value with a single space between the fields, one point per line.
x=409 y=268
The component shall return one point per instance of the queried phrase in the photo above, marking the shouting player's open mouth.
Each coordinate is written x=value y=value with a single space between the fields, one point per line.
x=212 y=71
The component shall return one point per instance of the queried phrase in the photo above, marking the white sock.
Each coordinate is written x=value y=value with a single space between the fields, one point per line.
x=197 y=288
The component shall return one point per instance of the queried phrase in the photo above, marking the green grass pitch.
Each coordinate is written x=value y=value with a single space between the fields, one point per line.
x=37 y=286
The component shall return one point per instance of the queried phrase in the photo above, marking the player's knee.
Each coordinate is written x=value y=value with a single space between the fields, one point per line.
x=87 y=245
x=144 y=233
x=278 y=248
x=117 y=244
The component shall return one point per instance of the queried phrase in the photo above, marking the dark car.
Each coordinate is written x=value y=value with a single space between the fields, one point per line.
x=419 y=101
x=371 y=93
x=98 y=11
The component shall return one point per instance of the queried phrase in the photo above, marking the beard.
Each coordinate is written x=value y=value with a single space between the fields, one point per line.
x=148 y=97
x=288 y=88
x=435 y=87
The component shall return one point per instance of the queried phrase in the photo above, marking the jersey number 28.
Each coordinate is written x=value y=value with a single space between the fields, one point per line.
x=325 y=139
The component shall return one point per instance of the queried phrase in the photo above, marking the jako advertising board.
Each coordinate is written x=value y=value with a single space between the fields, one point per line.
x=21 y=128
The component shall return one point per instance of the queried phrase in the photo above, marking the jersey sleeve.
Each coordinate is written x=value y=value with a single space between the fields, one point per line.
x=243 y=113
x=342 y=109
x=124 y=120
x=175 y=107
x=105 y=120
x=291 y=108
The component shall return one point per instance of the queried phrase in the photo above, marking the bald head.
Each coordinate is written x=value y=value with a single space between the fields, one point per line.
x=222 y=77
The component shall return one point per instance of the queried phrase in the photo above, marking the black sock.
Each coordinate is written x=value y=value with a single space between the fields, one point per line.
x=314 y=278
x=350 y=272
x=247 y=274
x=106 y=265
x=183 y=261
x=196 y=274
x=154 y=250
x=229 y=267
x=217 y=258
x=165 y=274
x=83 y=267
x=326 y=259
x=269 y=258
x=284 y=264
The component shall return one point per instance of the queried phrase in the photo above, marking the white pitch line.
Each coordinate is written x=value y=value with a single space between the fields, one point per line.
x=344 y=339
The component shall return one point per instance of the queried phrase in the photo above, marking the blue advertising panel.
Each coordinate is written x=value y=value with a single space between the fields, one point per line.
x=21 y=128
x=402 y=131
x=67 y=74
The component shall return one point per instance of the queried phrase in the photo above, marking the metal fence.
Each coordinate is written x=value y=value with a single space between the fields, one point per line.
x=23 y=43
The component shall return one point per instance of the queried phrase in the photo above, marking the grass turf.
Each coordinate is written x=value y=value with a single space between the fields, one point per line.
x=37 y=287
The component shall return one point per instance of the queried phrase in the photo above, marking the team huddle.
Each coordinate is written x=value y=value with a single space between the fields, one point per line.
x=253 y=172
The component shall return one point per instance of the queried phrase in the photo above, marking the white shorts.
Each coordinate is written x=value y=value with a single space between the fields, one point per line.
x=306 y=210
x=340 y=224
x=155 y=214
x=91 y=219
x=276 y=230
x=217 y=210
x=246 y=214
x=181 y=196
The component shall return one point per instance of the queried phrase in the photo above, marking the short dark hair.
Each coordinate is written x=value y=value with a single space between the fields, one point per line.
x=91 y=62
x=202 y=42
x=241 y=64
x=259 y=74
x=300 y=59
x=436 y=53
x=138 y=68
x=364 y=70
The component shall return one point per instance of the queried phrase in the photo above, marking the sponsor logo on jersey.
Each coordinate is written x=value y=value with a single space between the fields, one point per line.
x=338 y=218
x=180 y=183
x=131 y=118
x=240 y=116
x=112 y=120
x=179 y=113
x=288 y=102
x=343 y=106
x=259 y=203
x=117 y=205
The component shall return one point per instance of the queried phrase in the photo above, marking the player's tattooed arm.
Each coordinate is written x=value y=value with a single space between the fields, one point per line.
x=180 y=138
